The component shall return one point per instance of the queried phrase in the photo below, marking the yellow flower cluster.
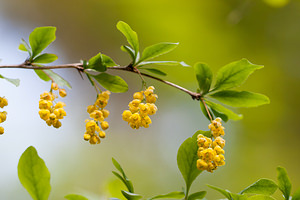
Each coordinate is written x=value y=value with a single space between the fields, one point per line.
x=138 y=112
x=3 y=103
x=49 y=111
x=210 y=152
x=98 y=114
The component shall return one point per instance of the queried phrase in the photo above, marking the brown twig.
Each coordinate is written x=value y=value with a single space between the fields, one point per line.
x=79 y=67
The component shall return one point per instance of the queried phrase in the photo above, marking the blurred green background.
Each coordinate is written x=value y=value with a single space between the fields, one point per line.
x=215 y=32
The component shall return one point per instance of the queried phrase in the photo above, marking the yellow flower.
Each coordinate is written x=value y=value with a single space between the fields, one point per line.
x=1 y=130
x=97 y=115
x=56 y=123
x=201 y=164
x=44 y=114
x=105 y=113
x=59 y=105
x=91 y=108
x=54 y=86
x=62 y=92
x=3 y=102
x=138 y=95
x=60 y=113
x=104 y=125
x=126 y=115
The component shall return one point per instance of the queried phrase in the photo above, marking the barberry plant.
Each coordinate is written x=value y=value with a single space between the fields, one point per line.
x=204 y=151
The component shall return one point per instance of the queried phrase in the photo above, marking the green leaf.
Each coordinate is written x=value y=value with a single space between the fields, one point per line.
x=197 y=195
x=107 y=61
x=128 y=50
x=75 y=197
x=16 y=82
x=171 y=195
x=204 y=76
x=221 y=109
x=42 y=75
x=284 y=182
x=40 y=38
x=296 y=195
x=234 y=74
x=125 y=180
x=96 y=63
x=112 y=83
x=221 y=115
x=155 y=50
x=25 y=47
x=61 y=82
x=130 y=35
x=187 y=160
x=260 y=197
x=141 y=64
x=131 y=196
x=226 y=193
x=262 y=186
x=155 y=71
x=240 y=99
x=238 y=196
x=34 y=175
x=45 y=58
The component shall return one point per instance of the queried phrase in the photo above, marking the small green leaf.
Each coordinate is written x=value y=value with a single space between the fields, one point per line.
x=45 y=58
x=131 y=196
x=262 y=186
x=296 y=195
x=112 y=83
x=171 y=195
x=128 y=50
x=221 y=109
x=204 y=76
x=42 y=75
x=234 y=74
x=260 y=197
x=96 y=63
x=187 y=160
x=130 y=35
x=197 y=195
x=22 y=47
x=61 y=82
x=284 y=182
x=75 y=197
x=155 y=71
x=221 y=115
x=240 y=99
x=25 y=47
x=157 y=50
x=34 y=175
x=40 y=38
x=16 y=82
x=141 y=64
x=226 y=193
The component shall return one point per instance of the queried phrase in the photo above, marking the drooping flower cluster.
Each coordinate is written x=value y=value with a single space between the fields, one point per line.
x=98 y=114
x=3 y=103
x=138 y=113
x=49 y=111
x=211 y=152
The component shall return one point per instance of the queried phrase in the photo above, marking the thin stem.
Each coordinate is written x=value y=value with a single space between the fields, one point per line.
x=206 y=108
x=80 y=68
x=143 y=80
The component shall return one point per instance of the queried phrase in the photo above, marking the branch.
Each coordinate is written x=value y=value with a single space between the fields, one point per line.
x=80 y=68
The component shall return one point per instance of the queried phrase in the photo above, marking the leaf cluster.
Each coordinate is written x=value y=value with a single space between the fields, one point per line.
x=228 y=77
